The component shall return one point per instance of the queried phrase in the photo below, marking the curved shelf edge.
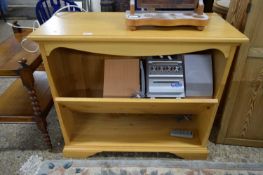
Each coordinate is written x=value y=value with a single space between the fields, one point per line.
x=137 y=48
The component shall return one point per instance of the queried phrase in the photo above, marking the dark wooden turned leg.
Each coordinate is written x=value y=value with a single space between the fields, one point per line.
x=40 y=120
x=27 y=78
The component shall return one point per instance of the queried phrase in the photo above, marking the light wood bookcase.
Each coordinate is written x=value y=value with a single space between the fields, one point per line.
x=74 y=46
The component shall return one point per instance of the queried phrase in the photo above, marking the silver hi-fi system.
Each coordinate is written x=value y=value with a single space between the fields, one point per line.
x=165 y=77
x=179 y=76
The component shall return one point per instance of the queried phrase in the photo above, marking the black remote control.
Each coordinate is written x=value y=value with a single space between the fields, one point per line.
x=182 y=133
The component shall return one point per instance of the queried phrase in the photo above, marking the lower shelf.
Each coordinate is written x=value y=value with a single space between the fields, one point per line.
x=94 y=133
x=199 y=153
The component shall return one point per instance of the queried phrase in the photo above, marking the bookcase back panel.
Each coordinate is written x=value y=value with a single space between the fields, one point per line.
x=77 y=73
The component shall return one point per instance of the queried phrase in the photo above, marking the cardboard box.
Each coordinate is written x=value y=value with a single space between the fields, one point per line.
x=121 y=77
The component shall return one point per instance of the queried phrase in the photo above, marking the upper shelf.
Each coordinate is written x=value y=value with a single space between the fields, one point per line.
x=94 y=26
x=137 y=106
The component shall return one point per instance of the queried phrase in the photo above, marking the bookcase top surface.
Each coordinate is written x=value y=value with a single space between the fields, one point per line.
x=110 y=26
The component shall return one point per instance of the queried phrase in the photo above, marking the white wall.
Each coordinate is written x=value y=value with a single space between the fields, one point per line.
x=32 y=3
x=96 y=5
x=29 y=3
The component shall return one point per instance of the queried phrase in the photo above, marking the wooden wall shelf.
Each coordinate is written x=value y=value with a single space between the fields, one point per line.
x=74 y=53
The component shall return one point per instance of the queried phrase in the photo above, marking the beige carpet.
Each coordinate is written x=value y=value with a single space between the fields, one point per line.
x=136 y=167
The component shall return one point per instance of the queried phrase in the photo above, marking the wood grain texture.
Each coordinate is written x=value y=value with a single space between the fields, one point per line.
x=139 y=48
x=15 y=100
x=238 y=69
x=121 y=78
x=130 y=130
x=11 y=52
x=67 y=122
x=115 y=39
x=244 y=142
x=248 y=106
x=221 y=71
x=255 y=93
x=237 y=13
x=28 y=99
x=92 y=124
x=255 y=52
x=137 y=106
x=86 y=70
x=87 y=27
x=167 y=22
x=17 y=119
x=125 y=132
x=242 y=116
x=219 y=65
x=204 y=124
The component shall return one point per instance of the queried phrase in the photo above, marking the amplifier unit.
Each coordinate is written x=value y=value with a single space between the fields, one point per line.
x=165 y=77
x=179 y=76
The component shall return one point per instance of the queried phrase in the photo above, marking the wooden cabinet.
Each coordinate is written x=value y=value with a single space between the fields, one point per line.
x=243 y=112
x=74 y=47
